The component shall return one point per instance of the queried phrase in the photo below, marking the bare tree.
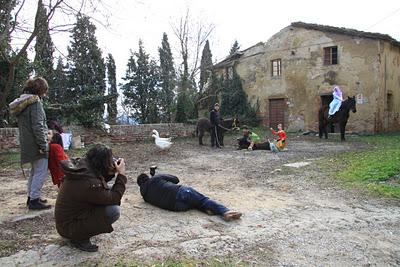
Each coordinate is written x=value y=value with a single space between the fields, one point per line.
x=191 y=35
x=16 y=26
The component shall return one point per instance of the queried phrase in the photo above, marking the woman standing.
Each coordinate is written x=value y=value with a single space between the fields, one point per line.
x=33 y=137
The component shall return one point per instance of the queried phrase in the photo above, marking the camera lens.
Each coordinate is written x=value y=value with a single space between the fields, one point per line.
x=153 y=170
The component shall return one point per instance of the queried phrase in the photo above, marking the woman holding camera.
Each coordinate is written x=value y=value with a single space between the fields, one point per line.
x=85 y=205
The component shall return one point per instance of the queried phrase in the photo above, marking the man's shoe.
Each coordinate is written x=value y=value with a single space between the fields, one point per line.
x=231 y=215
x=43 y=200
x=36 y=204
x=85 y=245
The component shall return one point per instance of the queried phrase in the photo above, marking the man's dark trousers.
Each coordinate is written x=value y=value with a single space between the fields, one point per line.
x=188 y=198
x=215 y=136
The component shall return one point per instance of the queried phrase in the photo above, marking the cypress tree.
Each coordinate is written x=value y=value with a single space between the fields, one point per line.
x=205 y=65
x=235 y=47
x=44 y=48
x=112 y=90
x=86 y=75
x=23 y=69
x=167 y=80
x=7 y=7
x=22 y=72
x=60 y=81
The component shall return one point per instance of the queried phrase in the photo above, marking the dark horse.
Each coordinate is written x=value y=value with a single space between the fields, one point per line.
x=204 y=125
x=341 y=117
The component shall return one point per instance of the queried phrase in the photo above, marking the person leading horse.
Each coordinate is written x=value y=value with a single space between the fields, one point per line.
x=216 y=121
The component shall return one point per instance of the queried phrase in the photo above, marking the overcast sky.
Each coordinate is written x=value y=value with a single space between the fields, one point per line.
x=249 y=22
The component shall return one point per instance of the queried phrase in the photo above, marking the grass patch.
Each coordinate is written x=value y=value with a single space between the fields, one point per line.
x=261 y=131
x=10 y=160
x=376 y=168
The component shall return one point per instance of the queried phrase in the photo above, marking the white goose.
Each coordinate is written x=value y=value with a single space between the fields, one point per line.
x=162 y=143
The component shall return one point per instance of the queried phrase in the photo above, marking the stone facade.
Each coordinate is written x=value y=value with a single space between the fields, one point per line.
x=368 y=67
x=9 y=137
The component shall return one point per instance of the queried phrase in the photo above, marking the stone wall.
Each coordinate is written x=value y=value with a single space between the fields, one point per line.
x=143 y=131
x=9 y=139
x=117 y=133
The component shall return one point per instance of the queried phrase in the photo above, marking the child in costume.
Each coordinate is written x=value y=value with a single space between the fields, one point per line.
x=56 y=155
x=281 y=142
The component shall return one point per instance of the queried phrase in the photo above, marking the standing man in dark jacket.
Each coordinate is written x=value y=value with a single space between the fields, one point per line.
x=164 y=191
x=85 y=206
x=215 y=119
x=33 y=137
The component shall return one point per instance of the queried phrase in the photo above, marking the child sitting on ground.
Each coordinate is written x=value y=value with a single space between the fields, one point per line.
x=281 y=142
x=56 y=155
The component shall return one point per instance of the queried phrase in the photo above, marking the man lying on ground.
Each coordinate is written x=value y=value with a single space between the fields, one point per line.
x=251 y=141
x=85 y=206
x=164 y=191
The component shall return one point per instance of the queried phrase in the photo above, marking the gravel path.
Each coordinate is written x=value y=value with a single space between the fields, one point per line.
x=294 y=213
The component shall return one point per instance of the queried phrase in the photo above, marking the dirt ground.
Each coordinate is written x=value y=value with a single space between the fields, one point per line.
x=295 y=214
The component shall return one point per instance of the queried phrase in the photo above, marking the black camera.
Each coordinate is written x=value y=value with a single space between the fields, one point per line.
x=117 y=160
x=153 y=170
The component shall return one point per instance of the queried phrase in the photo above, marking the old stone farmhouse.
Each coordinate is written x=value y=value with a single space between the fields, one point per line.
x=293 y=73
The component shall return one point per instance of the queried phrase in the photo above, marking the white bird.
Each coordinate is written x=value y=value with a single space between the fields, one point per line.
x=106 y=127
x=162 y=143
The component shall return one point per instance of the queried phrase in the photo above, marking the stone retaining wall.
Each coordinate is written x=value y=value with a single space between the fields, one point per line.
x=117 y=133
x=9 y=139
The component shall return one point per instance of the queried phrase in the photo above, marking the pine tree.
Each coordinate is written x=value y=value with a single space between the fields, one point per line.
x=234 y=101
x=205 y=65
x=86 y=75
x=44 y=48
x=141 y=87
x=57 y=92
x=180 y=108
x=235 y=47
x=112 y=90
x=167 y=80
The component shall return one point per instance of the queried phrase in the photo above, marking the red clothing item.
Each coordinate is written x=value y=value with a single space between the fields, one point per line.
x=56 y=155
x=281 y=133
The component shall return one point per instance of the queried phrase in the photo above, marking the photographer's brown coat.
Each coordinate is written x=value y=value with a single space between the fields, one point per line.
x=80 y=206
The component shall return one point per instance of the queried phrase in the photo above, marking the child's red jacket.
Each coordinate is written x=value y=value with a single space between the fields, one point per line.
x=282 y=134
x=56 y=155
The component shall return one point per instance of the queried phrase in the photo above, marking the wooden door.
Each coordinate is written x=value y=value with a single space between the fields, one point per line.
x=277 y=109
